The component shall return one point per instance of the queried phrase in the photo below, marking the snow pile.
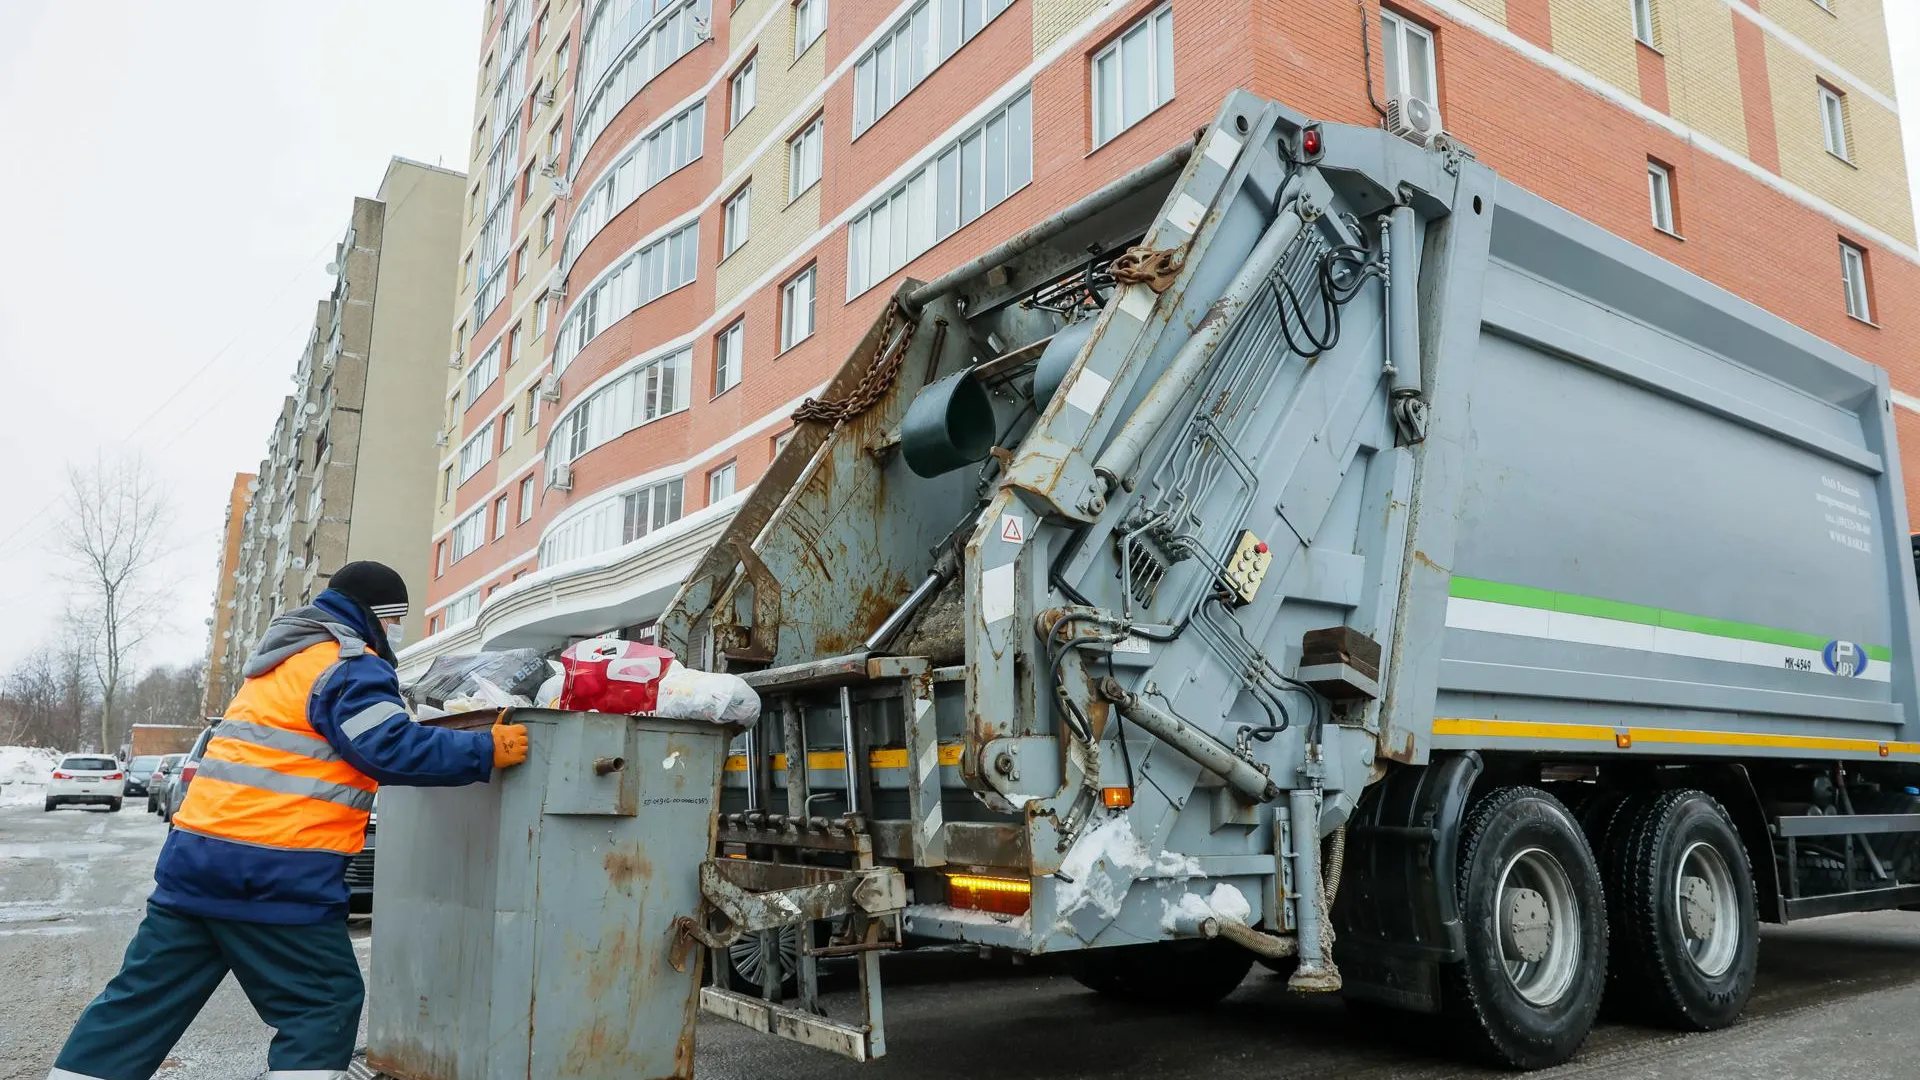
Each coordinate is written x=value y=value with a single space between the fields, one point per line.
x=1104 y=863
x=1225 y=902
x=23 y=773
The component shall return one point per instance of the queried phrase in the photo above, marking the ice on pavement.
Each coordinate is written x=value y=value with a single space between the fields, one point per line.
x=23 y=773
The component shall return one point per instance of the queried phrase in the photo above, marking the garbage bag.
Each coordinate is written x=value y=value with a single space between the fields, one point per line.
x=481 y=680
x=613 y=676
x=686 y=694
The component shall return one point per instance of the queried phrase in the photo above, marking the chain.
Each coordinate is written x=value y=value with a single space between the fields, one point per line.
x=1146 y=266
x=873 y=385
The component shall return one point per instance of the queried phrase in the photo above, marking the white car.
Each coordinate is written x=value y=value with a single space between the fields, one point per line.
x=87 y=778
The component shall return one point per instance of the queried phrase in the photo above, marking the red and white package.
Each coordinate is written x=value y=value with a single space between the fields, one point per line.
x=612 y=676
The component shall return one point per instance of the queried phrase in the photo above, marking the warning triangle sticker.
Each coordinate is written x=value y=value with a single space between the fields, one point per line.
x=1012 y=529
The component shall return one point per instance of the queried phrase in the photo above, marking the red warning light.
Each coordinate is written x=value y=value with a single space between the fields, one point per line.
x=1310 y=141
x=1261 y=547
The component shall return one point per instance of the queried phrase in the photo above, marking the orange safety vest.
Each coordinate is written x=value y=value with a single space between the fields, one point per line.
x=268 y=778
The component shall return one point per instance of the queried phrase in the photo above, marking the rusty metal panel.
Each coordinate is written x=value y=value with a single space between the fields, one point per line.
x=527 y=925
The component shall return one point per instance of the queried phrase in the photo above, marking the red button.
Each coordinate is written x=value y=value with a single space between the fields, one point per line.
x=1261 y=547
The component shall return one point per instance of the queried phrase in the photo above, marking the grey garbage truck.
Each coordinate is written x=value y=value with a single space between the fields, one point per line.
x=1312 y=549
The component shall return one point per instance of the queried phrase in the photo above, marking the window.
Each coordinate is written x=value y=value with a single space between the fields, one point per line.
x=740 y=96
x=727 y=352
x=1853 y=276
x=447 y=485
x=1643 y=23
x=1660 y=194
x=540 y=319
x=517 y=339
x=1833 y=120
x=655 y=270
x=500 y=517
x=506 y=431
x=460 y=608
x=809 y=19
x=526 y=498
x=539 y=88
x=481 y=375
x=540 y=28
x=475 y=452
x=1134 y=75
x=469 y=270
x=640 y=396
x=672 y=145
x=468 y=533
x=520 y=264
x=439 y=558
x=649 y=508
x=616 y=65
x=546 y=229
x=720 y=483
x=560 y=60
x=736 y=221
x=781 y=440
x=968 y=178
x=533 y=408
x=473 y=202
x=922 y=40
x=553 y=145
x=1406 y=53
x=803 y=160
x=526 y=184
x=796 y=309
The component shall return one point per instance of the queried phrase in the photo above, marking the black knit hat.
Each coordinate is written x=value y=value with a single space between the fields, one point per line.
x=376 y=585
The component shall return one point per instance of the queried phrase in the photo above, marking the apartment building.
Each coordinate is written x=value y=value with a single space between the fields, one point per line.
x=686 y=212
x=349 y=466
x=220 y=623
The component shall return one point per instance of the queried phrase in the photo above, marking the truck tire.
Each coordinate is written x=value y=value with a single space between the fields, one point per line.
x=1680 y=903
x=1173 y=973
x=1536 y=931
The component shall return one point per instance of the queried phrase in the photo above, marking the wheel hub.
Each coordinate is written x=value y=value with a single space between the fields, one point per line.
x=1698 y=910
x=1529 y=925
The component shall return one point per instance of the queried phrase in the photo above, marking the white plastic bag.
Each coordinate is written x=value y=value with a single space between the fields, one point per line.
x=686 y=694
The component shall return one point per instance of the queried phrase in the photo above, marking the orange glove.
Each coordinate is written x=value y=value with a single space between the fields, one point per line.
x=509 y=745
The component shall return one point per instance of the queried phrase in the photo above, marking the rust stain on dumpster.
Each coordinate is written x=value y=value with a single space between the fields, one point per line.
x=626 y=867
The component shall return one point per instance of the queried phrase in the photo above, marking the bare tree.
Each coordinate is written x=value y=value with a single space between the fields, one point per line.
x=113 y=533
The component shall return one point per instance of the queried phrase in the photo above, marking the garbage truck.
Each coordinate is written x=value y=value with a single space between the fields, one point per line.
x=1312 y=549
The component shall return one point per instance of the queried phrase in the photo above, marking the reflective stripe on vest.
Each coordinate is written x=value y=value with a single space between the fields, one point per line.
x=268 y=779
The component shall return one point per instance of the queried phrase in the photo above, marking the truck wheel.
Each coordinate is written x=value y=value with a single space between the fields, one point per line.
x=1680 y=904
x=1171 y=973
x=1536 y=931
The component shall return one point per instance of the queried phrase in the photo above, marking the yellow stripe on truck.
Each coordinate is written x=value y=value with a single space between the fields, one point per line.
x=1447 y=727
x=836 y=759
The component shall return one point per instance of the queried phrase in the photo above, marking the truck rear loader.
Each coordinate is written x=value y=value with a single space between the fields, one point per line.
x=1313 y=549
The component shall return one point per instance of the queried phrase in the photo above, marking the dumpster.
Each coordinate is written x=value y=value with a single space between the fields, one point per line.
x=527 y=927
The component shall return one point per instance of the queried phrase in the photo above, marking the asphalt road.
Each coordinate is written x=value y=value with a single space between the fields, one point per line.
x=1838 y=998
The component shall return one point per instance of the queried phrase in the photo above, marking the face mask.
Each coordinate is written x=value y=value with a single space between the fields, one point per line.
x=396 y=633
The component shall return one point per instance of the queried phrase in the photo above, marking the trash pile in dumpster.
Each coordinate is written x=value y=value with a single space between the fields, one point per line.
x=597 y=675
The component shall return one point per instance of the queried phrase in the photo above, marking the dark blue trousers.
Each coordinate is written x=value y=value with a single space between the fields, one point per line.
x=302 y=980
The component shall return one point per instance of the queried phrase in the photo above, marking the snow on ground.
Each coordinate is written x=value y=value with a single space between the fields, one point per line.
x=23 y=773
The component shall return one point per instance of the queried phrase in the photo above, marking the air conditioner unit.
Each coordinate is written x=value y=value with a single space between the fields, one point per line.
x=455 y=360
x=560 y=477
x=1413 y=119
x=550 y=387
x=551 y=170
x=545 y=100
x=557 y=288
x=440 y=438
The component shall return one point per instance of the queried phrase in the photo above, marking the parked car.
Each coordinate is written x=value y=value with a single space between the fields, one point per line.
x=140 y=775
x=162 y=778
x=87 y=779
x=177 y=789
x=360 y=869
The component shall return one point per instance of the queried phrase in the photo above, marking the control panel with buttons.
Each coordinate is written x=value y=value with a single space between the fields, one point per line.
x=1246 y=568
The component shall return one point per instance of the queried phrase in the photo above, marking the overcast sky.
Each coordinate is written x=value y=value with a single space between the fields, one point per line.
x=176 y=174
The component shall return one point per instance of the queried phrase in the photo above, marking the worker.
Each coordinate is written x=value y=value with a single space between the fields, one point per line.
x=252 y=878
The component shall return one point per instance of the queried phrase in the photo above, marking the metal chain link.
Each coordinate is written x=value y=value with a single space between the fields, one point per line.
x=874 y=384
x=1147 y=266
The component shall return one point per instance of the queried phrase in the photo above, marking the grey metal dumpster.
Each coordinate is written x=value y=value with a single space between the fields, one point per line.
x=524 y=928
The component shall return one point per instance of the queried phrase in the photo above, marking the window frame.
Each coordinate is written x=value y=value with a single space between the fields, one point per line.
x=500 y=522
x=730 y=470
x=815 y=20
x=736 y=229
x=1646 y=28
x=506 y=430
x=546 y=228
x=528 y=486
x=1662 y=197
x=787 y=306
x=1833 y=121
x=812 y=135
x=1857 y=291
x=1402 y=25
x=729 y=348
x=749 y=70
x=1114 y=51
